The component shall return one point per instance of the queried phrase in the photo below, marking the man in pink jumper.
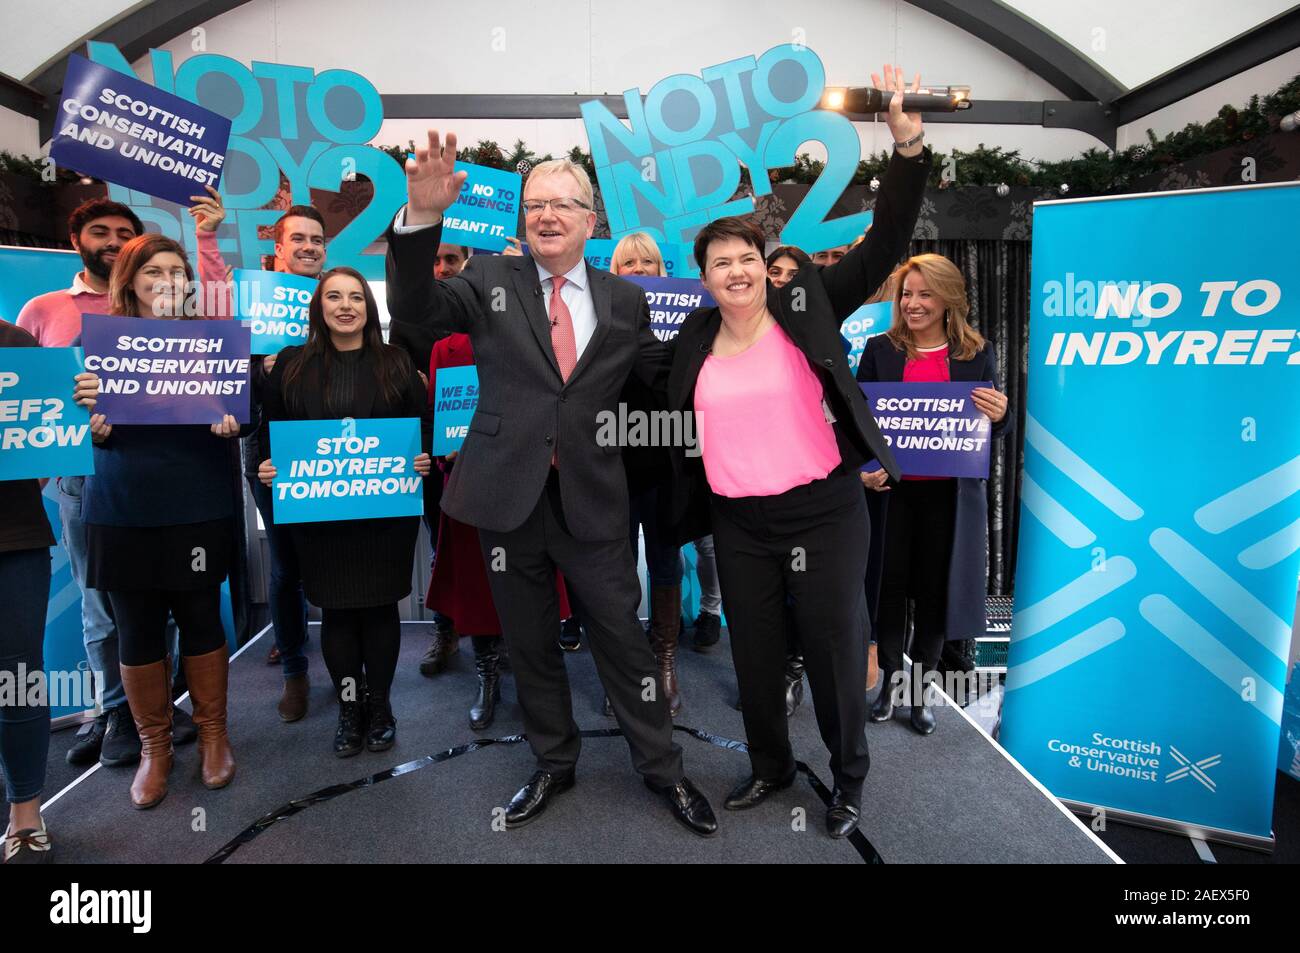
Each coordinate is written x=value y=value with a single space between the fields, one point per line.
x=98 y=230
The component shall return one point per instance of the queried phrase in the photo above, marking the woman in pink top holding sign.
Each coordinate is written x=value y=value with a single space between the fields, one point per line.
x=935 y=539
x=783 y=428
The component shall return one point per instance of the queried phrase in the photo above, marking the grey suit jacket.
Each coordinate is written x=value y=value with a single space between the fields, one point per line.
x=526 y=410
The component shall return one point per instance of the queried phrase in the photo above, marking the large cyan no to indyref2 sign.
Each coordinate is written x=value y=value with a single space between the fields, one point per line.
x=312 y=126
x=675 y=165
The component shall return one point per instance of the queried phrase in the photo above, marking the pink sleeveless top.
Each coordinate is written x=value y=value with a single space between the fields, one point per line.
x=760 y=420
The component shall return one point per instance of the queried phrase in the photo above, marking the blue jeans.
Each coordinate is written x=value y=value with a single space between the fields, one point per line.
x=284 y=588
x=99 y=633
x=24 y=728
x=706 y=568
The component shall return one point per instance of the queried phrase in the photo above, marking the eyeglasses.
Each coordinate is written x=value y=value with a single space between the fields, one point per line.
x=561 y=206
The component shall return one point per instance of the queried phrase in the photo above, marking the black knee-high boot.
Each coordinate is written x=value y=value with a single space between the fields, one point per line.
x=486 y=663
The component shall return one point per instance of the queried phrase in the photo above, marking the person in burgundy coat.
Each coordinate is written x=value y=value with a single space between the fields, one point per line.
x=458 y=587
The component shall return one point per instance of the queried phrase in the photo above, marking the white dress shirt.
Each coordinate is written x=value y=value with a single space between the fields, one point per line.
x=576 y=291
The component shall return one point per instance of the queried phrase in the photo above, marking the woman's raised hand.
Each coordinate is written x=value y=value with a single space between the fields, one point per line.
x=903 y=126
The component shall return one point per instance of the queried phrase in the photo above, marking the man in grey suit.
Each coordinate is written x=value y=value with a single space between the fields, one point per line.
x=554 y=341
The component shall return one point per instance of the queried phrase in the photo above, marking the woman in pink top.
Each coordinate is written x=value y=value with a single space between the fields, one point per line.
x=783 y=429
x=935 y=539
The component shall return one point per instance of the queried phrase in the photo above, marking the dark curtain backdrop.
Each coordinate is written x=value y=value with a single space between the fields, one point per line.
x=997 y=284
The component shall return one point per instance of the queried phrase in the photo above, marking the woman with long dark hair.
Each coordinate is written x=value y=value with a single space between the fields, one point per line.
x=159 y=496
x=356 y=571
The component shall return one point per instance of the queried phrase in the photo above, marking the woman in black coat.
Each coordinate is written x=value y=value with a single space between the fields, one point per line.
x=931 y=541
x=783 y=428
x=355 y=570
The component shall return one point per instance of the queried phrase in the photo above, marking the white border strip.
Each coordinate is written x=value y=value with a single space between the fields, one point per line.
x=1028 y=777
x=96 y=766
x=1147 y=195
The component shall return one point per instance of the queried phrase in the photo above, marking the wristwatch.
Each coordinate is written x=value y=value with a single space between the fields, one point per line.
x=911 y=142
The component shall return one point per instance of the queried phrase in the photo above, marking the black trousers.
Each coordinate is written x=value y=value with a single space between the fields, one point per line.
x=917 y=551
x=808 y=545
x=141 y=616
x=521 y=573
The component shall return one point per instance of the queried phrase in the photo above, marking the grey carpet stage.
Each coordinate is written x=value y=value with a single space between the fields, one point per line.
x=431 y=798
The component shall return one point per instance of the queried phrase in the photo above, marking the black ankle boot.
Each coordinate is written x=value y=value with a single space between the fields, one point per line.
x=381 y=730
x=793 y=683
x=882 y=709
x=922 y=717
x=484 y=709
x=347 y=737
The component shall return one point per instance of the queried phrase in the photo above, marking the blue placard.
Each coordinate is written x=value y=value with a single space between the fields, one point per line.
x=1160 y=511
x=119 y=129
x=28 y=272
x=670 y=301
x=328 y=470
x=273 y=306
x=455 y=396
x=678 y=260
x=487 y=210
x=156 y=371
x=43 y=433
x=933 y=429
x=863 y=324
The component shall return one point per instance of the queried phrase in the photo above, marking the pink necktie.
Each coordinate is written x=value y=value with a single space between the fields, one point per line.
x=563 y=341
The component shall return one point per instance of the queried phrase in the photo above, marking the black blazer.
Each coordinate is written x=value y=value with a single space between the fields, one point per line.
x=526 y=409
x=829 y=295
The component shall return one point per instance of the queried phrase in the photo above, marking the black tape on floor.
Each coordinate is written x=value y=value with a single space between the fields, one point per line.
x=859 y=840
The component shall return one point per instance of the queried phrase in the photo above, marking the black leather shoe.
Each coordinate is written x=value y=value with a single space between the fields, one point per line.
x=842 y=816
x=708 y=629
x=347 y=737
x=923 y=719
x=754 y=791
x=689 y=806
x=882 y=709
x=533 y=797
x=90 y=738
x=121 y=740
x=571 y=634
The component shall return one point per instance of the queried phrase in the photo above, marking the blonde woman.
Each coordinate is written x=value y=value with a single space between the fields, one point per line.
x=648 y=475
x=935 y=539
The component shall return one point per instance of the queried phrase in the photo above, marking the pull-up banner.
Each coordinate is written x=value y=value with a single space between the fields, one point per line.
x=1160 y=526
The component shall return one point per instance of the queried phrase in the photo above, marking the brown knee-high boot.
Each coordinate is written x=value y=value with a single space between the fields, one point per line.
x=665 y=623
x=148 y=692
x=208 y=676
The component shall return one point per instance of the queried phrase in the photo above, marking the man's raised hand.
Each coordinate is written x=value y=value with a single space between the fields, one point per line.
x=432 y=184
